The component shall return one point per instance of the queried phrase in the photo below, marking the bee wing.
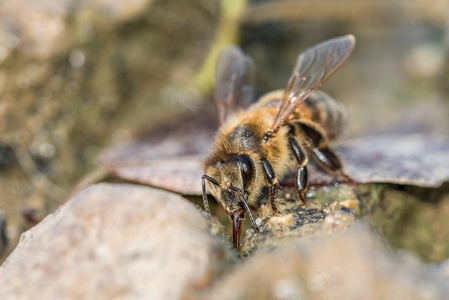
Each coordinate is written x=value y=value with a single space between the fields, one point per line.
x=313 y=68
x=234 y=74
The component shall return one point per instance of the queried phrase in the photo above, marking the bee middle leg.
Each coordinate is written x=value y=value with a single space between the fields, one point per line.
x=317 y=141
x=301 y=182
x=273 y=182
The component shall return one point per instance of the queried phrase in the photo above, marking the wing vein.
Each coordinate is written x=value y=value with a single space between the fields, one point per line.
x=313 y=68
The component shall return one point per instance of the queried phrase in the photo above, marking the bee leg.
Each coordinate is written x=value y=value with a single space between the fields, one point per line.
x=301 y=182
x=272 y=180
x=314 y=135
x=204 y=194
x=317 y=140
x=331 y=163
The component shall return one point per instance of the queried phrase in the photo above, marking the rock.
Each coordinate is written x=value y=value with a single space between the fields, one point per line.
x=115 y=241
x=125 y=241
x=349 y=265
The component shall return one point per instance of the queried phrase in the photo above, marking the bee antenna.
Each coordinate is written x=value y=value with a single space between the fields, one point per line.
x=253 y=221
x=206 y=203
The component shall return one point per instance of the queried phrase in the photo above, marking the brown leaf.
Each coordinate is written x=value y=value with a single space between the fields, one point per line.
x=179 y=174
x=421 y=160
x=404 y=159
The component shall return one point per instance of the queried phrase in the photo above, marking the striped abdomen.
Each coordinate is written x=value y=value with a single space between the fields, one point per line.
x=326 y=111
x=318 y=107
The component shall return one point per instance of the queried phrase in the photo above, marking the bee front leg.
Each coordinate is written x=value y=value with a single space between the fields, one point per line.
x=273 y=182
x=204 y=194
x=301 y=182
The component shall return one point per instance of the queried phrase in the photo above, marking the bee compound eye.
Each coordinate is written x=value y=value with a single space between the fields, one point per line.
x=246 y=168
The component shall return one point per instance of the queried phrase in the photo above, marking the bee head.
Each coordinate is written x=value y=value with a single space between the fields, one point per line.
x=237 y=172
x=229 y=182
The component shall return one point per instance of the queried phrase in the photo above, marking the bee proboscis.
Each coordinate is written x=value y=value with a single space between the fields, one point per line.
x=257 y=145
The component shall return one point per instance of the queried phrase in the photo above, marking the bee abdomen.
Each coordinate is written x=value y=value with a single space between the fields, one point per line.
x=326 y=111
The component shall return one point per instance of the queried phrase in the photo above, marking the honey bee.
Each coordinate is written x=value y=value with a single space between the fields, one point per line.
x=256 y=146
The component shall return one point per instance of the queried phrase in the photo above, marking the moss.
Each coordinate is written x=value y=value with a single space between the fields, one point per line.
x=409 y=220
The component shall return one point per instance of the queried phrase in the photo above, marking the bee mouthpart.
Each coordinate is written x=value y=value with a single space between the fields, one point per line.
x=237 y=218
x=245 y=204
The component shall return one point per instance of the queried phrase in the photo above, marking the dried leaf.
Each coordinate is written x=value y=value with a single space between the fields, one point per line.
x=404 y=159
x=421 y=160
x=182 y=175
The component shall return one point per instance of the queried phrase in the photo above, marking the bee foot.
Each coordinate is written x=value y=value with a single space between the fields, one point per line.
x=274 y=209
x=346 y=178
x=301 y=198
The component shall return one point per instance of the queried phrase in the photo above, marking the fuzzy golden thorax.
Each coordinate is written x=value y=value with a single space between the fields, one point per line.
x=239 y=144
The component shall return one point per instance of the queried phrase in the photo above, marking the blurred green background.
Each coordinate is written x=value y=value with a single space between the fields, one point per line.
x=77 y=77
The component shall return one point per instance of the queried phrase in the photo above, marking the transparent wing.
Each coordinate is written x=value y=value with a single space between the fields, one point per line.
x=234 y=74
x=313 y=68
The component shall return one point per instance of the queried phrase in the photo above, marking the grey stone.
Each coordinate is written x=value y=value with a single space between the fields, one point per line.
x=114 y=241
x=353 y=264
